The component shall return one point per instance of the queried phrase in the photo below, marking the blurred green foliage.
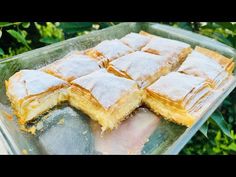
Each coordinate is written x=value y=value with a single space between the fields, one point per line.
x=19 y=37
x=216 y=136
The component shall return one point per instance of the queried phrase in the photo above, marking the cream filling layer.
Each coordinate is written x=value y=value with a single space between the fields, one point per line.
x=107 y=118
x=33 y=106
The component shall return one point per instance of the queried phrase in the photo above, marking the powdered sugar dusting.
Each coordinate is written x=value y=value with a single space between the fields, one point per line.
x=135 y=41
x=73 y=65
x=31 y=82
x=176 y=86
x=200 y=65
x=140 y=65
x=105 y=87
x=165 y=46
x=112 y=49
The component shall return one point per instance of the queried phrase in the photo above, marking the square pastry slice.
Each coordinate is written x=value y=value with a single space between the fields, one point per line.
x=176 y=96
x=227 y=63
x=135 y=41
x=72 y=66
x=32 y=92
x=108 y=50
x=140 y=66
x=200 y=65
x=104 y=97
x=176 y=50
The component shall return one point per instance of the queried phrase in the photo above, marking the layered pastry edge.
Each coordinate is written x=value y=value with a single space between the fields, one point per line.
x=27 y=106
x=108 y=118
x=136 y=60
x=178 y=111
x=85 y=65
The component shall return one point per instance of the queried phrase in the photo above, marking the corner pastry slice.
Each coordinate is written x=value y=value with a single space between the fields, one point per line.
x=142 y=67
x=201 y=65
x=32 y=92
x=135 y=41
x=104 y=97
x=72 y=66
x=177 y=96
x=108 y=50
x=176 y=50
x=227 y=63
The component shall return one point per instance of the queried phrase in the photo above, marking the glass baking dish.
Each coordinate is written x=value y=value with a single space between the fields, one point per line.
x=64 y=130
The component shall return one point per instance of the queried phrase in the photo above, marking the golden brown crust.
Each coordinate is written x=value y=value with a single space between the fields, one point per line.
x=201 y=65
x=97 y=56
x=183 y=54
x=177 y=102
x=72 y=66
x=27 y=91
x=75 y=88
x=110 y=118
x=94 y=54
x=225 y=62
x=147 y=34
x=142 y=67
x=108 y=50
x=169 y=112
x=56 y=74
x=105 y=87
x=117 y=72
x=177 y=51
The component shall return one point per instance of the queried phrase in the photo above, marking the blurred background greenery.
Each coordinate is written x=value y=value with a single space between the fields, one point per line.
x=216 y=136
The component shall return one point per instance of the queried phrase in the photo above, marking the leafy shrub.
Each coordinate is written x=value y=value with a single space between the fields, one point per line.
x=50 y=33
x=19 y=37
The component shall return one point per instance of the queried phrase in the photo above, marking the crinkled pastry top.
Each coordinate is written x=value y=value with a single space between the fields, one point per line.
x=31 y=82
x=164 y=46
x=200 y=65
x=176 y=86
x=135 y=41
x=73 y=65
x=112 y=49
x=105 y=87
x=140 y=65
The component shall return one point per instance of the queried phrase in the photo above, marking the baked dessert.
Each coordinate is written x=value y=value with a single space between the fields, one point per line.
x=72 y=66
x=104 y=97
x=108 y=50
x=135 y=41
x=227 y=63
x=144 y=33
x=142 y=67
x=200 y=65
x=176 y=50
x=177 y=96
x=32 y=92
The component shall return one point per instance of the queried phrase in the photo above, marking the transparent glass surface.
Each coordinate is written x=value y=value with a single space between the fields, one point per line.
x=65 y=130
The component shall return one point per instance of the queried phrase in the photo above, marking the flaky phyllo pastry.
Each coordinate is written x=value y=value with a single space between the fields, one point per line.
x=176 y=50
x=33 y=92
x=72 y=66
x=105 y=97
x=108 y=50
x=177 y=96
x=109 y=81
x=226 y=63
x=142 y=67
x=135 y=41
x=201 y=65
